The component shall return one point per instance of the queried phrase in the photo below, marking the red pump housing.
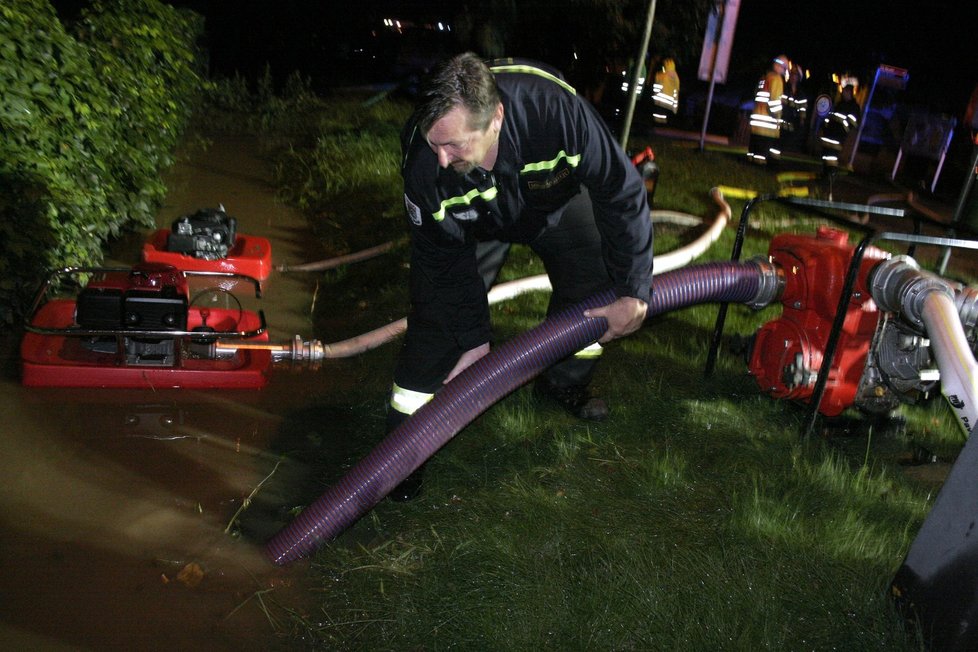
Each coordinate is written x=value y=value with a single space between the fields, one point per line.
x=788 y=352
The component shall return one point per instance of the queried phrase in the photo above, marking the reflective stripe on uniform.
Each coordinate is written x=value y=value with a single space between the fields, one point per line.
x=572 y=161
x=664 y=99
x=590 y=352
x=407 y=401
x=466 y=199
x=764 y=125
x=531 y=70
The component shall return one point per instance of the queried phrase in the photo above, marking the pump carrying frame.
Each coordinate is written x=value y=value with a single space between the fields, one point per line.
x=871 y=236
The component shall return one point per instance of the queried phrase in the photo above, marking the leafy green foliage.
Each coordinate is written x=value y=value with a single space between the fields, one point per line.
x=231 y=106
x=347 y=174
x=89 y=120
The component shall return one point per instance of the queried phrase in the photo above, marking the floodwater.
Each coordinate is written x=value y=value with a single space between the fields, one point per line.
x=114 y=503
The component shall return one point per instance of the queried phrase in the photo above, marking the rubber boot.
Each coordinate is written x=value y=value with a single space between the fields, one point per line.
x=409 y=488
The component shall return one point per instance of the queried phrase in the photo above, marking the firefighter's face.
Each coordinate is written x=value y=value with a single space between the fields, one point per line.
x=460 y=147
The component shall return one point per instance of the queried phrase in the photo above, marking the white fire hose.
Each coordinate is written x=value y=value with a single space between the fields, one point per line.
x=899 y=285
x=313 y=351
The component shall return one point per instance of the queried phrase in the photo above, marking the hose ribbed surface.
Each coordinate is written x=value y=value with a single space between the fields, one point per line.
x=480 y=386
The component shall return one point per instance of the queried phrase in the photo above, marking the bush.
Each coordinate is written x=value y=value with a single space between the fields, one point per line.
x=90 y=119
x=350 y=170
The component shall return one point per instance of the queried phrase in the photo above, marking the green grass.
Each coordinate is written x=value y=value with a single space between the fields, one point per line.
x=696 y=518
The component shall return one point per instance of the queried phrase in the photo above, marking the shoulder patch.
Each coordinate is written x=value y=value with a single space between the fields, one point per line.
x=413 y=211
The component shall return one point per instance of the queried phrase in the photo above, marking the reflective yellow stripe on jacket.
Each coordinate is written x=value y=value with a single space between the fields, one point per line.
x=532 y=70
x=488 y=195
x=407 y=401
x=572 y=161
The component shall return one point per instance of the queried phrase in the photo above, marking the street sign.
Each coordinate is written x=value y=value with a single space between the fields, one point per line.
x=718 y=41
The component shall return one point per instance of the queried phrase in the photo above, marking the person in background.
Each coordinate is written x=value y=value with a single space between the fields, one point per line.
x=665 y=93
x=503 y=153
x=838 y=128
x=794 y=105
x=765 y=121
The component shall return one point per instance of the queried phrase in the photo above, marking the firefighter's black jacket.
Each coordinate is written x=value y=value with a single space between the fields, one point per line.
x=551 y=143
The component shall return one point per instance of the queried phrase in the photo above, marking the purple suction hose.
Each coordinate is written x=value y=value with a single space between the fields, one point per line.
x=480 y=386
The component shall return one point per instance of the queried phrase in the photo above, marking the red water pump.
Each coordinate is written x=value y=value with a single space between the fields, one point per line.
x=878 y=362
x=144 y=327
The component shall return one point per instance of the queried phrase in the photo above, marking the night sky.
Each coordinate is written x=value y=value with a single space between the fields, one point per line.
x=935 y=41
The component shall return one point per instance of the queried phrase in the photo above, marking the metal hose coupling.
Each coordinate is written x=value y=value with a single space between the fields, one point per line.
x=966 y=301
x=770 y=285
x=899 y=285
x=299 y=352
x=309 y=352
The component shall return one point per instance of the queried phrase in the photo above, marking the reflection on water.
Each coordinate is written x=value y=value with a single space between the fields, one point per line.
x=118 y=508
x=105 y=503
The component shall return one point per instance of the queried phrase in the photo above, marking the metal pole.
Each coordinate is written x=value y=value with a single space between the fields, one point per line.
x=862 y=120
x=959 y=207
x=633 y=97
x=720 y=7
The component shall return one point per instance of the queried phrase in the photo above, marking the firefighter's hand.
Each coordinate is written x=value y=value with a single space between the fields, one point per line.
x=625 y=316
x=467 y=358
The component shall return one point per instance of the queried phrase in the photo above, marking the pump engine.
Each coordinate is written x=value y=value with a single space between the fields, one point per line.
x=208 y=234
x=149 y=298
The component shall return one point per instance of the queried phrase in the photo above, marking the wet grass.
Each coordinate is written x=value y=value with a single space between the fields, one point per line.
x=706 y=525
x=696 y=518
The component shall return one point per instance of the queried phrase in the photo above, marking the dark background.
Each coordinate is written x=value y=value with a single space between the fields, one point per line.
x=937 y=41
x=335 y=44
x=344 y=43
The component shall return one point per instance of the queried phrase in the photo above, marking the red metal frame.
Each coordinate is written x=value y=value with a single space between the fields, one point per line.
x=58 y=351
x=62 y=361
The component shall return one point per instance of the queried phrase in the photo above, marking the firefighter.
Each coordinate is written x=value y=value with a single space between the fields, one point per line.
x=665 y=93
x=503 y=154
x=794 y=104
x=837 y=127
x=765 y=121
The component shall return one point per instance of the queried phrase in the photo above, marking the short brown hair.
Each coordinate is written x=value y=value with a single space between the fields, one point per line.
x=464 y=80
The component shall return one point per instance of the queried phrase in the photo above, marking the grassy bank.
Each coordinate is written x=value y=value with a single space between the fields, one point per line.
x=696 y=518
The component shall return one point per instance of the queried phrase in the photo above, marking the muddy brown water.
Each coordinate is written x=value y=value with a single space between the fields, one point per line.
x=114 y=503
